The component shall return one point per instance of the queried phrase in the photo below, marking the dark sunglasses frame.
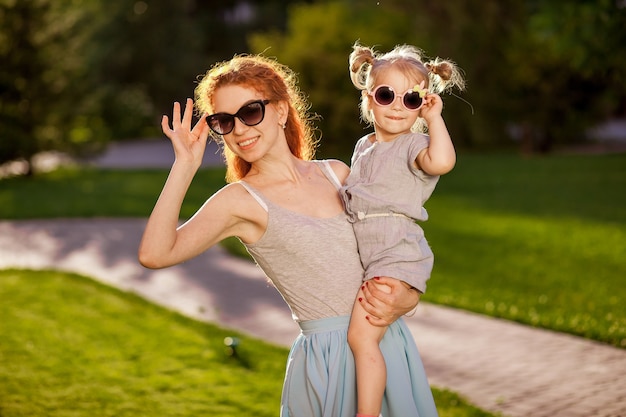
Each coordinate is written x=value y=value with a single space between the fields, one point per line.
x=218 y=120
x=407 y=98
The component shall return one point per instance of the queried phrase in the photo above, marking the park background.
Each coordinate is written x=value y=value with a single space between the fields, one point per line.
x=77 y=74
x=530 y=226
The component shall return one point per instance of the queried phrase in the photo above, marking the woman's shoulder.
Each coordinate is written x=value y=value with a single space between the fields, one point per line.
x=234 y=192
x=242 y=200
x=231 y=188
x=334 y=163
x=340 y=169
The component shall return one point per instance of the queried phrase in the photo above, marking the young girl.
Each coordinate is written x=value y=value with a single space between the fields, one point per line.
x=394 y=171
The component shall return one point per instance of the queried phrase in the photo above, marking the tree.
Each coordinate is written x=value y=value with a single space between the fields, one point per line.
x=145 y=55
x=47 y=101
x=552 y=69
x=567 y=70
x=319 y=37
x=77 y=73
x=316 y=45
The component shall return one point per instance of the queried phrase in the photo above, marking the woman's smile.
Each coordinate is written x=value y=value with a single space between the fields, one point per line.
x=246 y=144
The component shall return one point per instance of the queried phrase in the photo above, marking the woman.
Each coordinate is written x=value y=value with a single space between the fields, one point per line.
x=287 y=210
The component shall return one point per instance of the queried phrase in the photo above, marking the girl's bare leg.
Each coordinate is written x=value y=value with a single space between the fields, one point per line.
x=371 y=371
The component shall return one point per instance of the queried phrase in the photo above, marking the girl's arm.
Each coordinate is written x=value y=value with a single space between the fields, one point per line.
x=439 y=157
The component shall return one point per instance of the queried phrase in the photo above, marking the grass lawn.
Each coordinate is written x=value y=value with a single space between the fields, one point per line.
x=536 y=240
x=541 y=241
x=71 y=347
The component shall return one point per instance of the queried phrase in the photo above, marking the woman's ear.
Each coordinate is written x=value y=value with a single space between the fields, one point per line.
x=282 y=109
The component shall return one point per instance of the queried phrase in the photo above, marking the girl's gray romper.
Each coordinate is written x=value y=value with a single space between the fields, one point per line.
x=384 y=196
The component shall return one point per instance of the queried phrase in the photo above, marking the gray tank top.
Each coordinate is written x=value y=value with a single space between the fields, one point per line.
x=313 y=262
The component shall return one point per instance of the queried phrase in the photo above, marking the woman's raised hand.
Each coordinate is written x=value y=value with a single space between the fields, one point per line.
x=189 y=143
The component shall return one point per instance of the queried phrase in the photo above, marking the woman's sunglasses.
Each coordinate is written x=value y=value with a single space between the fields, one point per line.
x=384 y=96
x=250 y=114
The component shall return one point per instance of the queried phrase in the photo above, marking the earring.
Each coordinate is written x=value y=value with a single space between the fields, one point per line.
x=284 y=125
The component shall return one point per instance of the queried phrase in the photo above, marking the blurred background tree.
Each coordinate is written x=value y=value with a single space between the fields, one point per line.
x=39 y=43
x=319 y=37
x=78 y=73
x=566 y=67
x=316 y=45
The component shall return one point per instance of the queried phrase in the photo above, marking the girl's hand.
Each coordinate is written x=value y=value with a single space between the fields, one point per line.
x=189 y=143
x=386 y=307
x=432 y=107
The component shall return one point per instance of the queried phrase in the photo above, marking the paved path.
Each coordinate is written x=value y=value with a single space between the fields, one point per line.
x=498 y=365
x=151 y=153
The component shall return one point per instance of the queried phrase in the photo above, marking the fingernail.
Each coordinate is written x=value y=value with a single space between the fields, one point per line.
x=377 y=278
x=360 y=299
x=363 y=287
x=367 y=318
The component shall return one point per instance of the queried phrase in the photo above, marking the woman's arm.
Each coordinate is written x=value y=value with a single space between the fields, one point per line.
x=385 y=308
x=159 y=246
x=229 y=212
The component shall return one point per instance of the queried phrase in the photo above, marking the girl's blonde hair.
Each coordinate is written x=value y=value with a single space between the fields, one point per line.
x=276 y=82
x=439 y=75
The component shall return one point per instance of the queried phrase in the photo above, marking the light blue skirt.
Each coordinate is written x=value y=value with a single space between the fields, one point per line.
x=321 y=381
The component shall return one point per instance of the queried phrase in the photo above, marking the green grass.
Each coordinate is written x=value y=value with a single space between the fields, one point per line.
x=541 y=241
x=73 y=192
x=537 y=240
x=70 y=346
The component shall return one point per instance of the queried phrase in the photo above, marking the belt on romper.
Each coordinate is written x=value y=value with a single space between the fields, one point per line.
x=361 y=215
